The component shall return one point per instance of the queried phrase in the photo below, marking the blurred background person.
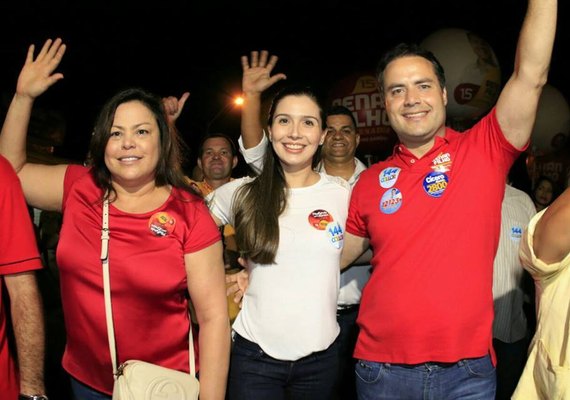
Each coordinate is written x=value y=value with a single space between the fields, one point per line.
x=543 y=193
x=511 y=333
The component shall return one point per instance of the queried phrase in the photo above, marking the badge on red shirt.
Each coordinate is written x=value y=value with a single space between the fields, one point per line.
x=391 y=201
x=161 y=224
x=435 y=184
x=388 y=177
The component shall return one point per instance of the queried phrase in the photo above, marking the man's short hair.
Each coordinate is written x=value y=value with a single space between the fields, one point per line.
x=340 y=110
x=217 y=135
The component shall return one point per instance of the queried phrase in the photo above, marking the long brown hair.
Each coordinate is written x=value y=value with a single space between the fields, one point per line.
x=259 y=203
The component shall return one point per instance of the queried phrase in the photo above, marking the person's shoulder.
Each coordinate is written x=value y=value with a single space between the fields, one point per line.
x=335 y=180
x=380 y=166
x=78 y=173
x=186 y=195
x=487 y=122
x=233 y=184
x=519 y=198
x=6 y=170
x=515 y=193
x=4 y=162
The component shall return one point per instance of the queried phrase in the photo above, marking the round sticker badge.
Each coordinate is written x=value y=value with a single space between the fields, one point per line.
x=435 y=183
x=391 y=201
x=319 y=219
x=388 y=177
x=161 y=224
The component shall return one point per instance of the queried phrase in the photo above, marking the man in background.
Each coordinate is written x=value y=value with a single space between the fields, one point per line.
x=338 y=159
x=510 y=327
x=217 y=158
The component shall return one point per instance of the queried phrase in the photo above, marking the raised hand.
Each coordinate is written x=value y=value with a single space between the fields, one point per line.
x=37 y=74
x=257 y=72
x=174 y=106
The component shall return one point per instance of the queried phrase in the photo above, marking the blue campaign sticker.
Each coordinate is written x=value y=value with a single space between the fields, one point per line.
x=391 y=201
x=435 y=183
x=516 y=233
x=388 y=177
x=335 y=233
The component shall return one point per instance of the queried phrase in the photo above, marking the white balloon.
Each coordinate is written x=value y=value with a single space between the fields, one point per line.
x=552 y=119
x=472 y=71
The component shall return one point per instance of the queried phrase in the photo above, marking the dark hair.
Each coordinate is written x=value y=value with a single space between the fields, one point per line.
x=408 y=50
x=544 y=178
x=340 y=110
x=168 y=169
x=259 y=203
x=217 y=135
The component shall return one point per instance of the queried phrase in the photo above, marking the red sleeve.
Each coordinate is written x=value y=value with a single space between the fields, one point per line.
x=17 y=237
x=203 y=230
x=72 y=174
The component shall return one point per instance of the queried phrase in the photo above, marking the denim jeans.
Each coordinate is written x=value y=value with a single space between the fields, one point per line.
x=256 y=376
x=84 y=392
x=472 y=378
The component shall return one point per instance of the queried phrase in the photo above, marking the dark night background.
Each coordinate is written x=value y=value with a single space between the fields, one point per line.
x=174 y=47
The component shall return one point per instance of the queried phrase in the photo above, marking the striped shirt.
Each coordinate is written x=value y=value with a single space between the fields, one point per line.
x=510 y=324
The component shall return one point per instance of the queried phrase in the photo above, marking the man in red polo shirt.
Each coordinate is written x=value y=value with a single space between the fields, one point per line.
x=431 y=214
x=19 y=257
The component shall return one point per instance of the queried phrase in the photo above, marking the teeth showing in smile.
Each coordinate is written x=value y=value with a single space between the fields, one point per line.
x=294 y=146
x=416 y=115
x=128 y=158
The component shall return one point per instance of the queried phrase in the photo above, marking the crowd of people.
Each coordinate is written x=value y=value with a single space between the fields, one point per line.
x=397 y=280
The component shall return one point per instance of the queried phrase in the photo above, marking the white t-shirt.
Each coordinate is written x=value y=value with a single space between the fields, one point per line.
x=289 y=308
x=353 y=279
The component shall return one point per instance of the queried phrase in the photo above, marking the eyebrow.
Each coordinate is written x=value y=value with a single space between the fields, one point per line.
x=134 y=126
x=351 y=127
x=292 y=116
x=416 y=82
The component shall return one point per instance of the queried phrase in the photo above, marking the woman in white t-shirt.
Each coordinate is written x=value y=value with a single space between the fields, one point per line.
x=289 y=223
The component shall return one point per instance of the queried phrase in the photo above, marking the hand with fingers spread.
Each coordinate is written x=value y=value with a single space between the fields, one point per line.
x=256 y=78
x=37 y=74
x=257 y=72
x=173 y=106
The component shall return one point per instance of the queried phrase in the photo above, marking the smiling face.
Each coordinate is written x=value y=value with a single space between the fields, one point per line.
x=217 y=160
x=414 y=101
x=341 y=139
x=133 y=149
x=296 y=131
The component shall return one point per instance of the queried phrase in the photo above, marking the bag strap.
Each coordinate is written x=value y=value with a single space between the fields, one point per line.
x=107 y=295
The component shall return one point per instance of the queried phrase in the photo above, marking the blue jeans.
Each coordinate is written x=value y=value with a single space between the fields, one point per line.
x=472 y=378
x=84 y=392
x=256 y=376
